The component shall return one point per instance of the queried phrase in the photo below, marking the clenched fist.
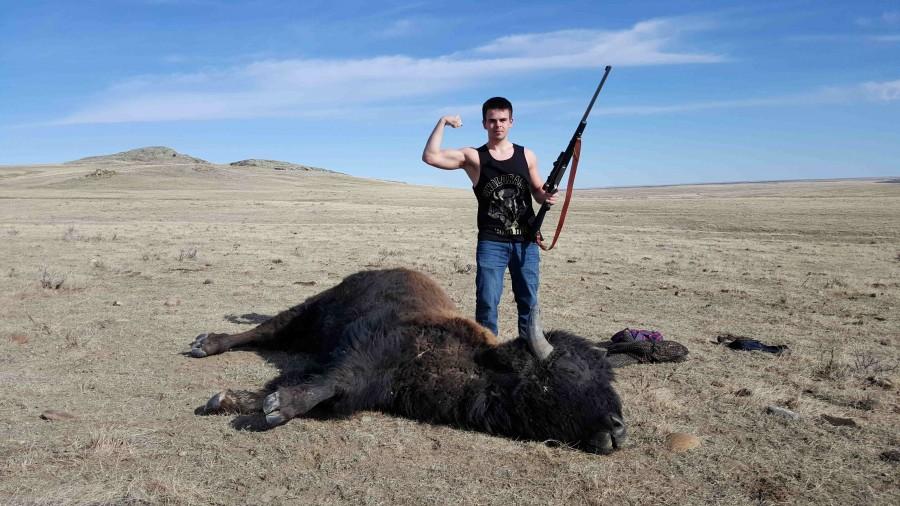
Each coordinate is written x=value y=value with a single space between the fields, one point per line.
x=454 y=121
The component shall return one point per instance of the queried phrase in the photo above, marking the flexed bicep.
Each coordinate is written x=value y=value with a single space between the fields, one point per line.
x=434 y=155
x=445 y=158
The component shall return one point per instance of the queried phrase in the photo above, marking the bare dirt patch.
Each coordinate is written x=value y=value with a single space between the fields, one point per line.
x=809 y=265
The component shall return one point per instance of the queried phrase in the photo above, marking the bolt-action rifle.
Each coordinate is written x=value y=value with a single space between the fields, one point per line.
x=559 y=170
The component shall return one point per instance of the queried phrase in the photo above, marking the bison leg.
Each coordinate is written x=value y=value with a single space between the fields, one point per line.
x=213 y=344
x=269 y=332
x=293 y=401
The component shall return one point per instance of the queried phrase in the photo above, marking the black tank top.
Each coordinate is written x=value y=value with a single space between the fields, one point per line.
x=504 y=196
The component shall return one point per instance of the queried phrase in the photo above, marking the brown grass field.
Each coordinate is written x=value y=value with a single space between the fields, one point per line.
x=106 y=277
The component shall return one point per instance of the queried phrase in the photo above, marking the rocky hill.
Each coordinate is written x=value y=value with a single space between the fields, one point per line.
x=275 y=165
x=148 y=155
x=162 y=155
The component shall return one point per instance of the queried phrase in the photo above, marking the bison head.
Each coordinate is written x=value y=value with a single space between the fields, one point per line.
x=567 y=396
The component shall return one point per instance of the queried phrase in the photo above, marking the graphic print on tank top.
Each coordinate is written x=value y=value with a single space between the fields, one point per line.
x=506 y=197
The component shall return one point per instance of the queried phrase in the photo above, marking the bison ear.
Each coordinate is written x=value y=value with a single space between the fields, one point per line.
x=535 y=336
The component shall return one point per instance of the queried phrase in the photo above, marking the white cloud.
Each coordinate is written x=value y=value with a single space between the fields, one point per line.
x=886 y=18
x=174 y=58
x=887 y=91
x=884 y=91
x=886 y=38
x=822 y=37
x=644 y=44
x=642 y=110
x=399 y=28
x=297 y=87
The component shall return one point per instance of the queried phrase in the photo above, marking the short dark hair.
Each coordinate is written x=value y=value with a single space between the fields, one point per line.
x=495 y=103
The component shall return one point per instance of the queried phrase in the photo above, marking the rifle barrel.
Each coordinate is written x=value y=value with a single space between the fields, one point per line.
x=594 y=98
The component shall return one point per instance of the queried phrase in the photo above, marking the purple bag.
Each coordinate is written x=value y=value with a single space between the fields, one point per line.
x=628 y=335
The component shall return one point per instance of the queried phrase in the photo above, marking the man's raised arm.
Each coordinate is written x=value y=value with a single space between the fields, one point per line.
x=443 y=158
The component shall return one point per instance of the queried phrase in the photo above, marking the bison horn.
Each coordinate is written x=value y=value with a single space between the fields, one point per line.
x=535 y=335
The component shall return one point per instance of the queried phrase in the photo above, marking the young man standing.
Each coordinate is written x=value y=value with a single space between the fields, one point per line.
x=505 y=178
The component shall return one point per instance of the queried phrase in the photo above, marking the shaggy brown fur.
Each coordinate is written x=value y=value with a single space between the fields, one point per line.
x=392 y=340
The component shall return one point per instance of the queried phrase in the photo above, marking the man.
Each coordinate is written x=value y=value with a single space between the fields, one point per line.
x=505 y=178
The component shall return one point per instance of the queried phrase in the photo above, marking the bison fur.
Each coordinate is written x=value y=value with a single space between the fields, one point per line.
x=393 y=341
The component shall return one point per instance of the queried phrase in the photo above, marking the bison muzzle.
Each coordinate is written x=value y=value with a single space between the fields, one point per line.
x=393 y=341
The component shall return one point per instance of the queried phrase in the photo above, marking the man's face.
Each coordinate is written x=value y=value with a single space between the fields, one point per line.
x=497 y=122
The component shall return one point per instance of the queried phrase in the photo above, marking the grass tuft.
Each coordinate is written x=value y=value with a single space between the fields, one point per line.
x=188 y=253
x=51 y=280
x=830 y=368
x=867 y=363
x=72 y=234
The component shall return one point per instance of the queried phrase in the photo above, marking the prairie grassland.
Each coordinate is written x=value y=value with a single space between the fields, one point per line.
x=106 y=278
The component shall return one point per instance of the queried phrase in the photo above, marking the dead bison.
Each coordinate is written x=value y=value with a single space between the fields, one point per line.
x=393 y=341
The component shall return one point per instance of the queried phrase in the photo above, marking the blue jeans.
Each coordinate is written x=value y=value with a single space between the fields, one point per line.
x=492 y=259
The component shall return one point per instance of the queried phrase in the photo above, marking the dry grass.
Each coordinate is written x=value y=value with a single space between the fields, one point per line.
x=180 y=251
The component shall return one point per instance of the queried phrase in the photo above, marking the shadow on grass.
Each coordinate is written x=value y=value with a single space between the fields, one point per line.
x=248 y=318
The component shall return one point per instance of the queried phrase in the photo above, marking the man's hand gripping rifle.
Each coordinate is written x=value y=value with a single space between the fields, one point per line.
x=559 y=169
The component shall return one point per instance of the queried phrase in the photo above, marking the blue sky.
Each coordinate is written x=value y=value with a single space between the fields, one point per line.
x=700 y=91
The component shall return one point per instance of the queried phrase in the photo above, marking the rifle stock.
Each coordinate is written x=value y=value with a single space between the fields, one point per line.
x=562 y=162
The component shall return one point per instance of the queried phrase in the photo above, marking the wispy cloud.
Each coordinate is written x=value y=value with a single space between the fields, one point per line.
x=174 y=58
x=886 y=91
x=646 y=43
x=823 y=37
x=889 y=18
x=642 y=110
x=178 y=3
x=296 y=87
x=399 y=28
x=843 y=37
x=872 y=91
x=472 y=111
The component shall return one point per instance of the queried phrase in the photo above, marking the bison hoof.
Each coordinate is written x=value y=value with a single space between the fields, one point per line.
x=197 y=346
x=272 y=409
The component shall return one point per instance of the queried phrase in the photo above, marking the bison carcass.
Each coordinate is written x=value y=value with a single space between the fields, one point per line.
x=393 y=341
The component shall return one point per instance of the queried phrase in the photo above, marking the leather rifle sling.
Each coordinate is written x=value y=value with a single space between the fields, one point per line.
x=570 y=189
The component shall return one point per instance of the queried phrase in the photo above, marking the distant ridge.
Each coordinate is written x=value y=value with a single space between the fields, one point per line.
x=149 y=154
x=163 y=155
x=276 y=165
x=876 y=179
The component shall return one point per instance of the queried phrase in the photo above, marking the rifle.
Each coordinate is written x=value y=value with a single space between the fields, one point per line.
x=559 y=170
